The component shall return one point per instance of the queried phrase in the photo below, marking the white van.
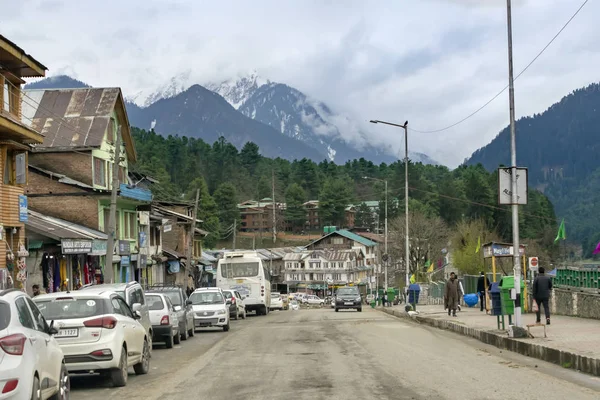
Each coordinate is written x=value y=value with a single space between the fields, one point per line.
x=244 y=272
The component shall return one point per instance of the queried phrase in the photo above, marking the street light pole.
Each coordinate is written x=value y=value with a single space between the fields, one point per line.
x=405 y=127
x=513 y=159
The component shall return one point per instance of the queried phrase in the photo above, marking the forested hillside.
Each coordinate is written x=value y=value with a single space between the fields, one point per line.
x=227 y=176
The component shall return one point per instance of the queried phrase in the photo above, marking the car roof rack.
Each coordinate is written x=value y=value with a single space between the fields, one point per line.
x=7 y=291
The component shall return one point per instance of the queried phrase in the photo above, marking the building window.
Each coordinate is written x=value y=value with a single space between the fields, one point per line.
x=154 y=236
x=129 y=225
x=15 y=168
x=99 y=172
x=337 y=240
x=197 y=248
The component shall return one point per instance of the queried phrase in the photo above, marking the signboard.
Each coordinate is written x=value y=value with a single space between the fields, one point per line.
x=143 y=239
x=142 y=261
x=167 y=228
x=144 y=217
x=23 y=208
x=505 y=187
x=98 y=248
x=124 y=247
x=533 y=264
x=76 y=246
x=125 y=262
x=500 y=250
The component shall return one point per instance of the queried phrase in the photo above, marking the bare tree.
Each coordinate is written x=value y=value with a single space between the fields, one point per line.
x=427 y=237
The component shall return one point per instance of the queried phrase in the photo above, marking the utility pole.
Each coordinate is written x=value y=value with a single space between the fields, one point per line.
x=112 y=219
x=190 y=247
x=386 y=236
x=513 y=159
x=274 y=211
x=234 y=232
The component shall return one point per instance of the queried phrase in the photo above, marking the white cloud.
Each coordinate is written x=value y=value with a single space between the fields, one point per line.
x=431 y=62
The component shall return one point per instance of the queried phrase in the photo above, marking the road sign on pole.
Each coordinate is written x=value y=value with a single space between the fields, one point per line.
x=505 y=189
x=533 y=263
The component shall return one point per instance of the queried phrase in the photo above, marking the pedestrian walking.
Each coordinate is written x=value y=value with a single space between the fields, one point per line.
x=542 y=288
x=482 y=283
x=452 y=294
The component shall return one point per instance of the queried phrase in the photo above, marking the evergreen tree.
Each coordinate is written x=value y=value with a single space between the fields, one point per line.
x=226 y=199
x=295 y=213
x=333 y=200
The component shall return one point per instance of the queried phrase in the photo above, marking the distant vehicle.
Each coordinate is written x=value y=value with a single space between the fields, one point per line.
x=237 y=309
x=244 y=272
x=313 y=300
x=165 y=324
x=348 y=297
x=286 y=302
x=276 y=302
x=134 y=296
x=178 y=297
x=333 y=302
x=98 y=331
x=294 y=305
x=210 y=308
x=32 y=364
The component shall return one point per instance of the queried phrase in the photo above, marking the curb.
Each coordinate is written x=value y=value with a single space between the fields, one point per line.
x=588 y=365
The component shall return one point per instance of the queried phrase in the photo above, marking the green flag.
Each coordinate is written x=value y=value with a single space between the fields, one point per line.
x=561 y=232
x=478 y=245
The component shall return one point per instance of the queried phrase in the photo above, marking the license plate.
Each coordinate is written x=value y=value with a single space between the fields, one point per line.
x=239 y=281
x=67 y=333
x=348 y=303
x=202 y=324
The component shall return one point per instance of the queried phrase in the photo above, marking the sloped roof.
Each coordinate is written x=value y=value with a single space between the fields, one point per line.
x=18 y=61
x=57 y=229
x=349 y=235
x=76 y=117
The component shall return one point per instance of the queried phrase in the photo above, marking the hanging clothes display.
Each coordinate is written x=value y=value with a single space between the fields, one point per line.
x=86 y=273
x=63 y=274
x=56 y=273
x=77 y=278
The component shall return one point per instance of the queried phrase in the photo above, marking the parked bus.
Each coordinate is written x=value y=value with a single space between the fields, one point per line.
x=245 y=272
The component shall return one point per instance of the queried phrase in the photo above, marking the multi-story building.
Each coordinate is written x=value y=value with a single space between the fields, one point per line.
x=71 y=172
x=257 y=216
x=16 y=139
x=314 y=223
x=345 y=240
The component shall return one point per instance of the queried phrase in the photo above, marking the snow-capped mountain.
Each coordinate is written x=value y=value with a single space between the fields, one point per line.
x=238 y=91
x=176 y=85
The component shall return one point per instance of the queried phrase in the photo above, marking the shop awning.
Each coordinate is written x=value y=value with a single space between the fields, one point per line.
x=58 y=229
x=172 y=254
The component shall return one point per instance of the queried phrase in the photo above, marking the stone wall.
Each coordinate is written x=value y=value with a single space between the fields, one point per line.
x=575 y=303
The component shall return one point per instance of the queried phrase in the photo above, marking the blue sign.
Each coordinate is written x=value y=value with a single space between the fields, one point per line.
x=23 y=208
x=125 y=261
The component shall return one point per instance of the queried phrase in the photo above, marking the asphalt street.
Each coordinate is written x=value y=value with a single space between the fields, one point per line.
x=321 y=354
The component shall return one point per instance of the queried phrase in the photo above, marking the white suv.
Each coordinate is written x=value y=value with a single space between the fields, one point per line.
x=211 y=309
x=276 y=301
x=98 y=332
x=31 y=361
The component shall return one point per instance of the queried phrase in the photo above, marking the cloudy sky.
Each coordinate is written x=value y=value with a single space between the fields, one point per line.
x=432 y=62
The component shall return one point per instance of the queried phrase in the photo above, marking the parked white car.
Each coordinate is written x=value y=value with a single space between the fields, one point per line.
x=211 y=309
x=237 y=306
x=98 y=332
x=32 y=364
x=313 y=300
x=276 y=301
x=294 y=305
x=165 y=324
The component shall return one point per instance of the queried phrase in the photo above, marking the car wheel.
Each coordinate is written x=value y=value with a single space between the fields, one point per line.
x=177 y=338
x=118 y=376
x=359 y=309
x=36 y=390
x=184 y=335
x=226 y=328
x=169 y=341
x=337 y=309
x=143 y=367
x=64 y=385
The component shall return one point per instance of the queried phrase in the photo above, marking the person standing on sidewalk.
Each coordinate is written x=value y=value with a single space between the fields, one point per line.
x=542 y=287
x=452 y=294
x=482 y=283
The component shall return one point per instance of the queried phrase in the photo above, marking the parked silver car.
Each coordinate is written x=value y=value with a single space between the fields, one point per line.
x=183 y=307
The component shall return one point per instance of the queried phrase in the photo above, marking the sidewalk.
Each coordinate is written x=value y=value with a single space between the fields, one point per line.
x=572 y=342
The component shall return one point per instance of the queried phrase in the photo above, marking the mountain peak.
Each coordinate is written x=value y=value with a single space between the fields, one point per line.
x=58 y=81
x=236 y=91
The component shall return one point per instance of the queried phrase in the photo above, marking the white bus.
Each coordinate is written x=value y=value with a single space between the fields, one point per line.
x=245 y=272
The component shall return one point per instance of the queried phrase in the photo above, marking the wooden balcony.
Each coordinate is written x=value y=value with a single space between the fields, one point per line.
x=9 y=205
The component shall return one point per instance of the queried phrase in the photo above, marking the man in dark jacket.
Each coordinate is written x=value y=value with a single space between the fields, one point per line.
x=542 y=287
x=482 y=283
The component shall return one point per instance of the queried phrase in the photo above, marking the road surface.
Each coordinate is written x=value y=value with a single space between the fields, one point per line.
x=321 y=354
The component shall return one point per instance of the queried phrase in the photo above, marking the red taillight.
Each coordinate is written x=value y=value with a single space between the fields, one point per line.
x=102 y=322
x=10 y=386
x=164 y=320
x=101 y=353
x=13 y=344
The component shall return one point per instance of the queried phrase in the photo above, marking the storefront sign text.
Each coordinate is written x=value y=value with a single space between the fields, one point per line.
x=76 y=246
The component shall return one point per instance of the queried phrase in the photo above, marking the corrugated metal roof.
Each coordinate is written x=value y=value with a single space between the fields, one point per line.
x=295 y=256
x=62 y=178
x=172 y=253
x=58 y=229
x=349 y=235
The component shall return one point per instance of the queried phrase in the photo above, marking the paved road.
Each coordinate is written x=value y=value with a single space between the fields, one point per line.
x=320 y=354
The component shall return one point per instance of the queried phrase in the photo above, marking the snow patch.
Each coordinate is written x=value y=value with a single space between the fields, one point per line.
x=153 y=124
x=237 y=91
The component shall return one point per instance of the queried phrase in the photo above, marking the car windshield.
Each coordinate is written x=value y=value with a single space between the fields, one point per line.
x=174 y=296
x=154 y=302
x=200 y=298
x=71 y=308
x=347 y=291
x=4 y=315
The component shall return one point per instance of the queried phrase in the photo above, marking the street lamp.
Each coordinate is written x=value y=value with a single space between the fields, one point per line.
x=405 y=127
x=386 y=227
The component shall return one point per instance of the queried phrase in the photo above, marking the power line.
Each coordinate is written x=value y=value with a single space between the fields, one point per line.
x=506 y=87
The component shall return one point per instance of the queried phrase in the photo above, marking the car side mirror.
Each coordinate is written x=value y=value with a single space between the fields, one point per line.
x=188 y=302
x=177 y=308
x=136 y=307
x=137 y=314
x=51 y=329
